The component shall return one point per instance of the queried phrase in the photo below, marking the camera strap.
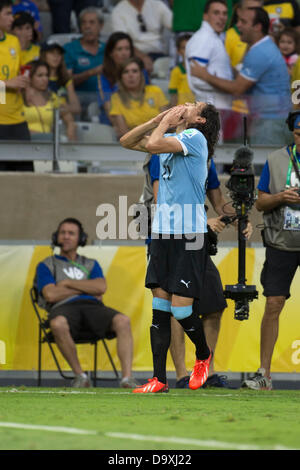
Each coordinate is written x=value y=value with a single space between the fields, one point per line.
x=295 y=163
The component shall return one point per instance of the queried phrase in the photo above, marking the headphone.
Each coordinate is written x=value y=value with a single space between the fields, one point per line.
x=82 y=235
x=291 y=119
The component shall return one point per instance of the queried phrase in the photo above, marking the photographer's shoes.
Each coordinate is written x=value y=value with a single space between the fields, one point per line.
x=259 y=381
x=81 y=381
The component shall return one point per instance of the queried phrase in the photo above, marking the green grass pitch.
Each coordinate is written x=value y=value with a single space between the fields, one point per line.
x=117 y=419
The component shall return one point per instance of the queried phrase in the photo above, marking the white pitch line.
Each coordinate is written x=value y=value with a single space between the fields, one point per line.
x=60 y=392
x=86 y=392
x=139 y=437
x=190 y=442
x=38 y=427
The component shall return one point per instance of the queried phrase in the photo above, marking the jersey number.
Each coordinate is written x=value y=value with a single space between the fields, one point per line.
x=5 y=71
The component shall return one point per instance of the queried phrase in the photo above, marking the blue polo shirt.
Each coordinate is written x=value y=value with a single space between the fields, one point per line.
x=80 y=60
x=270 y=95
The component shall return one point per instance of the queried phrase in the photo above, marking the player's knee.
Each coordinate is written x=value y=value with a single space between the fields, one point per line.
x=274 y=305
x=180 y=313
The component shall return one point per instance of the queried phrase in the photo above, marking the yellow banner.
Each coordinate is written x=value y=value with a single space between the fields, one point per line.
x=124 y=268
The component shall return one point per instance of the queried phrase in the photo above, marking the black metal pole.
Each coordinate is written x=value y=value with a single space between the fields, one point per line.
x=242 y=253
x=55 y=165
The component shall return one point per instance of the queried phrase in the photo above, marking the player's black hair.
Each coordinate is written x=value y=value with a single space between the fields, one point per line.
x=211 y=128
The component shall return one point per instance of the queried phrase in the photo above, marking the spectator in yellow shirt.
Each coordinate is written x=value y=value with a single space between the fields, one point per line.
x=134 y=102
x=60 y=81
x=40 y=104
x=179 y=90
x=23 y=28
x=12 y=123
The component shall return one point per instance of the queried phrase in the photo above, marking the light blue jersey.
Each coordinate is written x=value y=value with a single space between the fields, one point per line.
x=263 y=64
x=181 y=194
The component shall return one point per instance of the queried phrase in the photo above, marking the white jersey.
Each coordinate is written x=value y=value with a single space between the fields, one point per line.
x=207 y=48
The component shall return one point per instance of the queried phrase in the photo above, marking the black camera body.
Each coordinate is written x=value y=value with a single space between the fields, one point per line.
x=242 y=181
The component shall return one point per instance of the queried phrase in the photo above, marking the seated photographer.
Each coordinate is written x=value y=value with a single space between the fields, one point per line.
x=279 y=200
x=71 y=287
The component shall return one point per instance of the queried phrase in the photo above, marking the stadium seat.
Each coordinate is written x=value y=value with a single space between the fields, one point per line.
x=91 y=132
x=45 y=336
x=93 y=112
x=62 y=39
x=162 y=83
x=107 y=27
x=46 y=21
x=161 y=67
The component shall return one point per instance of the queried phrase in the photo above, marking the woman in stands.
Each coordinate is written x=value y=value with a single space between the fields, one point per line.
x=40 y=104
x=134 y=102
x=60 y=81
x=23 y=28
x=118 y=49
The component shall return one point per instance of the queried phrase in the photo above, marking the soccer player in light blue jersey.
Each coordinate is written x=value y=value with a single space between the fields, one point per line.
x=179 y=248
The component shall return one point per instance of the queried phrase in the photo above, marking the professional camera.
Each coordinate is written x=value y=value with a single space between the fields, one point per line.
x=241 y=183
x=242 y=192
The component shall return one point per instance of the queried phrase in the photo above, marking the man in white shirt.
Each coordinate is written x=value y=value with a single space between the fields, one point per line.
x=206 y=47
x=263 y=79
x=144 y=21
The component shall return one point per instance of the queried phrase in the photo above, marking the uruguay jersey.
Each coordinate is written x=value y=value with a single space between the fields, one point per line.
x=181 y=194
x=263 y=64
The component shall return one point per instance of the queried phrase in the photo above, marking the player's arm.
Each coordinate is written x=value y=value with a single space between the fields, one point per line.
x=157 y=143
x=137 y=138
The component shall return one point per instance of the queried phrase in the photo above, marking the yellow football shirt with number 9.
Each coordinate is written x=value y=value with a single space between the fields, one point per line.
x=10 y=60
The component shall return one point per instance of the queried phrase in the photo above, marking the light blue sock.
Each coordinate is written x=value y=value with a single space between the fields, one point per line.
x=161 y=304
x=182 y=312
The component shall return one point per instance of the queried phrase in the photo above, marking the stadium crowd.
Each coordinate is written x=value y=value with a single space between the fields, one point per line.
x=183 y=51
